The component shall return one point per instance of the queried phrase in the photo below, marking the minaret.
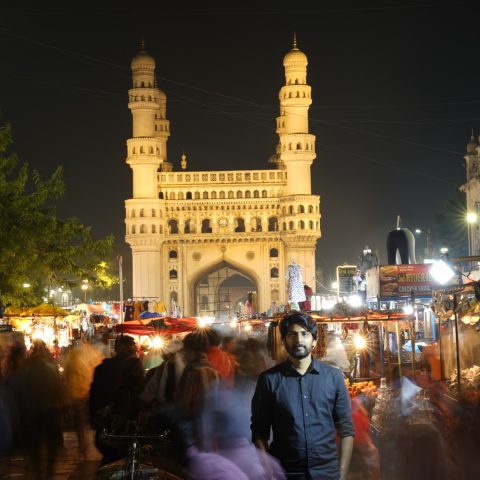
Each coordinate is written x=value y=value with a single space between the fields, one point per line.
x=146 y=153
x=297 y=145
x=300 y=211
x=472 y=191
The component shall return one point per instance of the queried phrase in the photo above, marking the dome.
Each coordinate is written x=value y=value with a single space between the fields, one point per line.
x=295 y=56
x=472 y=145
x=142 y=58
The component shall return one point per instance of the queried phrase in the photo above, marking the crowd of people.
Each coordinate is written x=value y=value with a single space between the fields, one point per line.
x=230 y=411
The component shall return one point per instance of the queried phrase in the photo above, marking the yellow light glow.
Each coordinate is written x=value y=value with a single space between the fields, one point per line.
x=233 y=324
x=472 y=217
x=360 y=342
x=248 y=327
x=157 y=343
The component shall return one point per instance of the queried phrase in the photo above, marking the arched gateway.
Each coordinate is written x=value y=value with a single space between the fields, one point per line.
x=204 y=239
x=222 y=292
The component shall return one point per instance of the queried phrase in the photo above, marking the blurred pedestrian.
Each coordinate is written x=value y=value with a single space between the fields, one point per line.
x=44 y=432
x=78 y=376
x=115 y=390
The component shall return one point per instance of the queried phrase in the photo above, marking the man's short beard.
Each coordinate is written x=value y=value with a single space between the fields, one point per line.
x=299 y=354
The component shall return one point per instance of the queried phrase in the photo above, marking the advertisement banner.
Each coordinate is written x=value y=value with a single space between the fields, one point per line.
x=402 y=280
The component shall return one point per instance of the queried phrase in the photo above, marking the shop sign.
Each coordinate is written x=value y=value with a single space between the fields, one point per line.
x=346 y=275
x=402 y=280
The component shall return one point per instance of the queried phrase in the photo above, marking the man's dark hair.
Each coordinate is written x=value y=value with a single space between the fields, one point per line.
x=302 y=319
x=196 y=341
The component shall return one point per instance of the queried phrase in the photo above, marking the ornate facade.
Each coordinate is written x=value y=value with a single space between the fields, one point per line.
x=203 y=239
x=472 y=190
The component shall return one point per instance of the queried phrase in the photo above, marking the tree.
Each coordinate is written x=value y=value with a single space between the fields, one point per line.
x=37 y=248
x=451 y=225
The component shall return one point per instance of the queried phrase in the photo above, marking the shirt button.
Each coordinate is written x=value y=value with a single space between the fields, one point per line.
x=304 y=396
x=306 y=414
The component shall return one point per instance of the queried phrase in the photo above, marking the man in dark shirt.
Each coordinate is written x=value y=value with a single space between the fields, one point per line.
x=305 y=402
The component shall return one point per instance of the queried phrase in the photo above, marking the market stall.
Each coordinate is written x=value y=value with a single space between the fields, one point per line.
x=45 y=322
x=458 y=312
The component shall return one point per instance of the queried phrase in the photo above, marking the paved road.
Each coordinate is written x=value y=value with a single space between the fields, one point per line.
x=69 y=465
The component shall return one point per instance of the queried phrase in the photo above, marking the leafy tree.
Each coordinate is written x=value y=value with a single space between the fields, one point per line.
x=451 y=225
x=36 y=247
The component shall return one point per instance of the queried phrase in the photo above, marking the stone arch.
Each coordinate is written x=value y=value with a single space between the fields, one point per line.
x=143 y=228
x=274 y=253
x=215 y=266
x=205 y=195
x=239 y=224
x=213 y=195
x=239 y=194
x=256 y=194
x=248 y=194
x=142 y=212
x=273 y=224
x=180 y=196
x=189 y=195
x=172 y=254
x=274 y=272
x=173 y=226
x=197 y=195
x=206 y=226
x=302 y=225
x=300 y=209
x=222 y=194
x=132 y=214
x=173 y=274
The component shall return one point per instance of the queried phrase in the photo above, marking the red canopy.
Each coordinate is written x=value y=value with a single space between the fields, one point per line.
x=152 y=327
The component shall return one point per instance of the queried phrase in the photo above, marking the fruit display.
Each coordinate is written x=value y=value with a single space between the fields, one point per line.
x=367 y=388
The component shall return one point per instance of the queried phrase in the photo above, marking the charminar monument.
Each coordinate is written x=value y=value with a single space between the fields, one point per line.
x=215 y=241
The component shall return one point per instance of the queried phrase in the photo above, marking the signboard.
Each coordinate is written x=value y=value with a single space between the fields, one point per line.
x=402 y=280
x=346 y=275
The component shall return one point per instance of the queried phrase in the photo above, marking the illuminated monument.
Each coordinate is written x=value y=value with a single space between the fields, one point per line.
x=203 y=239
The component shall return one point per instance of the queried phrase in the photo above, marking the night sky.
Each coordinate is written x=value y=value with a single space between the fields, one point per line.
x=395 y=88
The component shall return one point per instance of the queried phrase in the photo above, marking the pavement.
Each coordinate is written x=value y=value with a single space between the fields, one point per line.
x=70 y=465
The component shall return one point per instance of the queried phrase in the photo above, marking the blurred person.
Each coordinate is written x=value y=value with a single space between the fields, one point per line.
x=220 y=360
x=226 y=416
x=78 y=376
x=365 y=462
x=251 y=362
x=161 y=382
x=20 y=399
x=304 y=403
x=44 y=431
x=115 y=390
x=197 y=378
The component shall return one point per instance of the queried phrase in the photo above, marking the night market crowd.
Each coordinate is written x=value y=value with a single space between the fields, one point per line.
x=222 y=409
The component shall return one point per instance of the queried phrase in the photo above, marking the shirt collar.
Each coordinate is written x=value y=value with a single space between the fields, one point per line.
x=314 y=367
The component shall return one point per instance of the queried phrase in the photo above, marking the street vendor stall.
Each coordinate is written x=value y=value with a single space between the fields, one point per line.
x=458 y=312
x=45 y=322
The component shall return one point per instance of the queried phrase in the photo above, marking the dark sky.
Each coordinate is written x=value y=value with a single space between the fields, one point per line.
x=395 y=90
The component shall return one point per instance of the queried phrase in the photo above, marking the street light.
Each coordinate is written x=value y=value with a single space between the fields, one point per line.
x=85 y=288
x=472 y=218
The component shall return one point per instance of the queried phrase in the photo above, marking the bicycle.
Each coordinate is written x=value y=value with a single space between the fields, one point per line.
x=131 y=467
